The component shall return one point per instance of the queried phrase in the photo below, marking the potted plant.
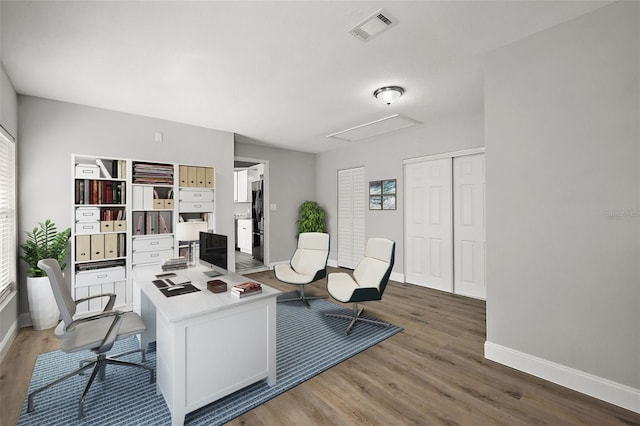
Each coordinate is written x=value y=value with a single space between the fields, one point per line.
x=44 y=242
x=310 y=217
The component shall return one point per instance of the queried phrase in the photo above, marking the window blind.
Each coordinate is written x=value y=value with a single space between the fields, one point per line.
x=7 y=214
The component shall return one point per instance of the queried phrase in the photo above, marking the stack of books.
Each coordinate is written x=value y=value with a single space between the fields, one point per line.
x=246 y=289
x=175 y=263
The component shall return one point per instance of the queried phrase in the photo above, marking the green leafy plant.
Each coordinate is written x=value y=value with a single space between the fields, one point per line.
x=310 y=217
x=45 y=242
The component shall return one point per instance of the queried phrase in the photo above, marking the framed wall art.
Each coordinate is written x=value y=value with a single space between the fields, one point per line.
x=382 y=194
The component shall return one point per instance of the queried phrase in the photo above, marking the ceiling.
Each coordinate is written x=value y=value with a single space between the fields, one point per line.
x=284 y=74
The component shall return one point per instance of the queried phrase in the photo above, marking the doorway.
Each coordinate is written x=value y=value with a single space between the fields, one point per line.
x=251 y=221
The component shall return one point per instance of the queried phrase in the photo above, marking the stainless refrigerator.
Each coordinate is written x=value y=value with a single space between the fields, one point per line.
x=257 y=217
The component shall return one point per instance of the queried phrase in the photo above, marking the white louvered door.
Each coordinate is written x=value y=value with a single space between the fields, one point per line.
x=351 y=210
x=428 y=222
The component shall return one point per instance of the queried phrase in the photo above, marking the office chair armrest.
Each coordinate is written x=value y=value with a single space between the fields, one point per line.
x=110 y=303
x=365 y=294
x=104 y=314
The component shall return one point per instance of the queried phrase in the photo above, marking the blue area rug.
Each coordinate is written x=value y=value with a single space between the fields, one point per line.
x=308 y=343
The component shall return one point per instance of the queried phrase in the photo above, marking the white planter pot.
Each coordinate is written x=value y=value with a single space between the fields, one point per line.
x=42 y=305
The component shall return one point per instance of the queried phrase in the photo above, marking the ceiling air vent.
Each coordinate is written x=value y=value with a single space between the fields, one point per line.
x=373 y=25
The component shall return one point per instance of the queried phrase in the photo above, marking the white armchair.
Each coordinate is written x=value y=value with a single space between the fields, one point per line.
x=308 y=264
x=368 y=283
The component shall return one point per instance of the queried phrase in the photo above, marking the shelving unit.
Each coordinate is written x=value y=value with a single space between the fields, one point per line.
x=195 y=206
x=99 y=243
x=152 y=209
x=124 y=215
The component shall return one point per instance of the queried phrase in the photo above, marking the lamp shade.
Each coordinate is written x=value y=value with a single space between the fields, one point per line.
x=190 y=231
x=388 y=94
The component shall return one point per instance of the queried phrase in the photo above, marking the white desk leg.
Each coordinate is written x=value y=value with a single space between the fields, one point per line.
x=148 y=314
x=178 y=409
x=271 y=378
x=177 y=418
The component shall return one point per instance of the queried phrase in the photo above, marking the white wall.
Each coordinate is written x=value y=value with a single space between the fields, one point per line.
x=8 y=104
x=563 y=149
x=292 y=181
x=51 y=131
x=382 y=158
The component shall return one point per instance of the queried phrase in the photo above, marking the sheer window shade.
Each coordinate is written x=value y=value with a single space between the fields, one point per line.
x=7 y=214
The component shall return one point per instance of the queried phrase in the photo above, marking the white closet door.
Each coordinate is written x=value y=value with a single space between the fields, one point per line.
x=351 y=210
x=428 y=221
x=469 y=225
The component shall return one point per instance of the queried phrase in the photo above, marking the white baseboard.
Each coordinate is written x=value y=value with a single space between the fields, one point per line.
x=24 y=320
x=397 y=276
x=8 y=340
x=332 y=263
x=597 y=387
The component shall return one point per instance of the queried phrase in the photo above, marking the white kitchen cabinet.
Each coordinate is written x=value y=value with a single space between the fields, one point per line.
x=245 y=235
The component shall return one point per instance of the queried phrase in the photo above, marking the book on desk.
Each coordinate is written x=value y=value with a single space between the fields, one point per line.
x=245 y=289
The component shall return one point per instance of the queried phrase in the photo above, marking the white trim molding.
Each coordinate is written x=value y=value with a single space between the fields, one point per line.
x=597 y=387
x=8 y=339
x=452 y=154
x=333 y=263
x=397 y=276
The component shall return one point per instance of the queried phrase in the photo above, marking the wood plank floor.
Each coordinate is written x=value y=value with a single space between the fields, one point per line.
x=432 y=373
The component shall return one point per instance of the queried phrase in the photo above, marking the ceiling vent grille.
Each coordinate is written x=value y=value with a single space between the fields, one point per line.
x=373 y=25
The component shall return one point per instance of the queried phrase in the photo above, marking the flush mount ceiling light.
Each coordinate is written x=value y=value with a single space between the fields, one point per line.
x=388 y=94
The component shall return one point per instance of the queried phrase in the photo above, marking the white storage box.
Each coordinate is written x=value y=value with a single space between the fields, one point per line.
x=199 y=195
x=100 y=276
x=151 y=244
x=87 y=214
x=87 y=171
x=190 y=206
x=87 y=227
x=151 y=256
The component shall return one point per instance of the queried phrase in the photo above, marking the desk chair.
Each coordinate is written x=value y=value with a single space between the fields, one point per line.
x=369 y=280
x=97 y=333
x=308 y=264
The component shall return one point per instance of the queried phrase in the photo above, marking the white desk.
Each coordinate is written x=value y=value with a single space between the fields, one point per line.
x=208 y=345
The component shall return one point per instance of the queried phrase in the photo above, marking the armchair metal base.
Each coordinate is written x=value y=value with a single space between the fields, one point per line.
x=99 y=365
x=302 y=297
x=356 y=316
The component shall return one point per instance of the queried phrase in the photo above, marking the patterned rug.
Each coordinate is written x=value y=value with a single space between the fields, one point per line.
x=308 y=343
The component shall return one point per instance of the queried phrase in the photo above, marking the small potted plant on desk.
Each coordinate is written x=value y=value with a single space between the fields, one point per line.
x=44 y=242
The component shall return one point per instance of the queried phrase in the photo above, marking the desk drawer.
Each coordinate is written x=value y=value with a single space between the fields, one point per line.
x=88 y=227
x=152 y=244
x=87 y=213
x=197 y=195
x=190 y=206
x=100 y=276
x=151 y=256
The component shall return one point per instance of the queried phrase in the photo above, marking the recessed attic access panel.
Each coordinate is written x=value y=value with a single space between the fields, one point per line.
x=375 y=128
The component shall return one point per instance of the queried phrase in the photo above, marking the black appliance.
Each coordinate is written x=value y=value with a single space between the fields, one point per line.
x=257 y=218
